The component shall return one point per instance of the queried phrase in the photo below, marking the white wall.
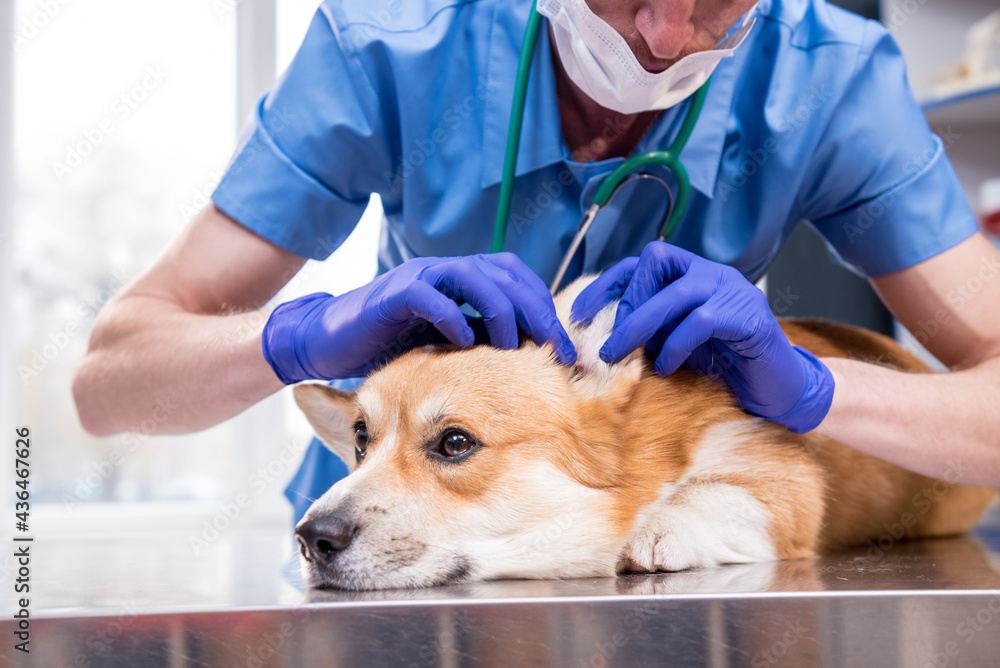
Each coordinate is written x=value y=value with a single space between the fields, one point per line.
x=931 y=33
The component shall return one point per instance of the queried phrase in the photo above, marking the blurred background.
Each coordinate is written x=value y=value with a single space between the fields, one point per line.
x=117 y=118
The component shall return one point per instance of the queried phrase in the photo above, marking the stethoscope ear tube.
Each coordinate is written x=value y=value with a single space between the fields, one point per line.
x=514 y=128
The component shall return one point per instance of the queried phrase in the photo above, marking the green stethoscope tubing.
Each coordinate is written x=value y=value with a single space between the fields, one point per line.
x=514 y=128
x=669 y=158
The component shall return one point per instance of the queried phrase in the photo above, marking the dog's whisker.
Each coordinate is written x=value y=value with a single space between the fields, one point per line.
x=295 y=491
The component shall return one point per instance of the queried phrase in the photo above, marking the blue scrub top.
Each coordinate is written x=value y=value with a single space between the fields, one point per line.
x=811 y=120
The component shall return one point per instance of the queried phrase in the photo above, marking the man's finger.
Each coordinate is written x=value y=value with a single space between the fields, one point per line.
x=641 y=325
x=423 y=301
x=604 y=289
x=533 y=305
x=660 y=264
x=693 y=331
x=463 y=279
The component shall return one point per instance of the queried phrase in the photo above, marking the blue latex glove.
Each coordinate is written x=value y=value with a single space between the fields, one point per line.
x=685 y=308
x=324 y=337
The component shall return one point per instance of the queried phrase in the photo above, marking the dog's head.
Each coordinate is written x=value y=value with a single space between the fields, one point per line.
x=466 y=464
x=484 y=463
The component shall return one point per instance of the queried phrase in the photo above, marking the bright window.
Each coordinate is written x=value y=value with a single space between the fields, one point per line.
x=124 y=119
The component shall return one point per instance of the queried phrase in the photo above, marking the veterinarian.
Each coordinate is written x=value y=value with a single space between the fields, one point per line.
x=809 y=118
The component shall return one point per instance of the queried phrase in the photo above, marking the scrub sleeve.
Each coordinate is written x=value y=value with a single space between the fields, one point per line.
x=883 y=192
x=302 y=175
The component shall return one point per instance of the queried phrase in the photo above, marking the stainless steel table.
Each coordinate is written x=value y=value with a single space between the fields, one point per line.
x=150 y=601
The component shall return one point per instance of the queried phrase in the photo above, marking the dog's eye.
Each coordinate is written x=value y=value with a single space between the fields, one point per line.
x=360 y=440
x=455 y=444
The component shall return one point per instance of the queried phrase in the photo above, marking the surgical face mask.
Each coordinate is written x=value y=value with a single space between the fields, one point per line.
x=600 y=62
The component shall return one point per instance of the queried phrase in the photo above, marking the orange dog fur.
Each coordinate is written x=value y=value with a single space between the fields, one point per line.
x=593 y=470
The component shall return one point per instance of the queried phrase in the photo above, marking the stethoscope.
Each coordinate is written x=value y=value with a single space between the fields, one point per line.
x=613 y=182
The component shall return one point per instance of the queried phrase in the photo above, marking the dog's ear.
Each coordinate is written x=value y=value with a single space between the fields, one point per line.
x=331 y=413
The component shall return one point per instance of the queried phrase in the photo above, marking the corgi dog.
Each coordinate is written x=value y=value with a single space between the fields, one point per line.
x=481 y=464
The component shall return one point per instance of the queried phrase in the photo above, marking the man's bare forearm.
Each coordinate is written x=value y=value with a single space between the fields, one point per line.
x=150 y=359
x=945 y=426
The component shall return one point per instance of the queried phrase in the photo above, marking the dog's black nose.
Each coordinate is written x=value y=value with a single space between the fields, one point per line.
x=321 y=538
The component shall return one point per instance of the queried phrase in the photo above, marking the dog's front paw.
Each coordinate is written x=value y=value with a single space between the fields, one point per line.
x=657 y=548
x=703 y=526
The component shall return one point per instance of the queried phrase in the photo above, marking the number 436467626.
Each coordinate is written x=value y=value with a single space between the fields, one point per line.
x=22 y=450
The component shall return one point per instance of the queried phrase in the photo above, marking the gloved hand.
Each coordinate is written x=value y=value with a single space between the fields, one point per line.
x=324 y=337
x=685 y=308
